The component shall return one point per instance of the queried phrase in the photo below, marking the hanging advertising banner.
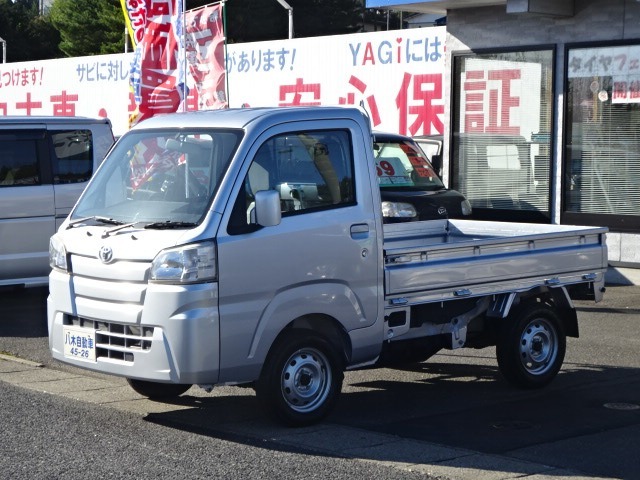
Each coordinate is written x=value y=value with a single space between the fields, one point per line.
x=157 y=70
x=204 y=45
x=135 y=17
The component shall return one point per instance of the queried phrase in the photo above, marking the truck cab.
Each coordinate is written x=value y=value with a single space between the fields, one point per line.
x=176 y=267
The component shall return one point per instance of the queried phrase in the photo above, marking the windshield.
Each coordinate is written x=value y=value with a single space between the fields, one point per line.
x=157 y=177
x=402 y=165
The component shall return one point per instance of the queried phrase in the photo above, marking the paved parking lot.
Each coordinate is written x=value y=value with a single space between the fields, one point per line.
x=451 y=417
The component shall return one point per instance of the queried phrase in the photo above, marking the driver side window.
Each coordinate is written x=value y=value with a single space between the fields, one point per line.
x=311 y=171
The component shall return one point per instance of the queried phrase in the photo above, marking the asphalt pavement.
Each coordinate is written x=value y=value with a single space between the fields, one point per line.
x=449 y=418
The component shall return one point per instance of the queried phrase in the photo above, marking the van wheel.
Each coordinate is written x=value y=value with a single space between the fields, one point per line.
x=301 y=379
x=157 y=389
x=531 y=347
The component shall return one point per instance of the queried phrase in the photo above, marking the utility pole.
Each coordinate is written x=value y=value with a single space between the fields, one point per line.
x=4 y=50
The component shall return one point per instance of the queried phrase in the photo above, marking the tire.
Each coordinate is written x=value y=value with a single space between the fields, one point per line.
x=157 y=389
x=301 y=379
x=531 y=347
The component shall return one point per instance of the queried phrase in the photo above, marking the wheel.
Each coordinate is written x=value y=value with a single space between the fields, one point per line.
x=301 y=379
x=157 y=389
x=531 y=347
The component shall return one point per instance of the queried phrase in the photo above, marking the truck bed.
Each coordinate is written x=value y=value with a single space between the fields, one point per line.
x=445 y=259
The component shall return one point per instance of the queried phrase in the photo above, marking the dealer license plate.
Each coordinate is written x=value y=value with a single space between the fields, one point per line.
x=80 y=343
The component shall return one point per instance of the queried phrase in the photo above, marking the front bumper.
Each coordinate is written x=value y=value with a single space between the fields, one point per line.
x=171 y=336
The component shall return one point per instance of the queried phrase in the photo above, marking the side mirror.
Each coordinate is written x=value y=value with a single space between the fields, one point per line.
x=267 y=211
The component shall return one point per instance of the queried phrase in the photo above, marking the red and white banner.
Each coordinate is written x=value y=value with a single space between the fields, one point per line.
x=204 y=45
x=135 y=16
x=398 y=75
x=157 y=71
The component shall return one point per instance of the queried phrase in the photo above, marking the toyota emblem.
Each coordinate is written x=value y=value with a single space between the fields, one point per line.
x=442 y=211
x=105 y=254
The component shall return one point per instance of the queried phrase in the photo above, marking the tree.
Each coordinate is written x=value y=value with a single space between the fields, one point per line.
x=256 y=20
x=89 y=27
x=326 y=17
x=29 y=36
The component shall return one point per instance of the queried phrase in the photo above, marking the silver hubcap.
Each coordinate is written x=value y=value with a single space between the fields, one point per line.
x=538 y=346
x=306 y=380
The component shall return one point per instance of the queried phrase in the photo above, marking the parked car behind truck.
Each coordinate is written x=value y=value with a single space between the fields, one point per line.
x=199 y=254
x=410 y=187
x=45 y=163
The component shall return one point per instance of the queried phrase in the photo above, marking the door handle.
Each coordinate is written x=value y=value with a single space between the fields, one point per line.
x=359 y=231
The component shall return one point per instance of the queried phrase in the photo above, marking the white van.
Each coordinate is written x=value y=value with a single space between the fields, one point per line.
x=45 y=163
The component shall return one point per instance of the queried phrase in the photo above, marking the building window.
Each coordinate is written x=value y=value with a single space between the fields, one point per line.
x=602 y=156
x=502 y=123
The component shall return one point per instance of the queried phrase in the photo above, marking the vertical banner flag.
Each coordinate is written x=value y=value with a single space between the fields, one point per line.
x=135 y=17
x=157 y=70
x=204 y=44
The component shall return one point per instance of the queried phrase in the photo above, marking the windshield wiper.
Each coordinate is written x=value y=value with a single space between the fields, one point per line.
x=121 y=226
x=108 y=221
x=105 y=220
x=170 y=224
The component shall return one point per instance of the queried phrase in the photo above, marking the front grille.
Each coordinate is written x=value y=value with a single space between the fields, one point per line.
x=116 y=340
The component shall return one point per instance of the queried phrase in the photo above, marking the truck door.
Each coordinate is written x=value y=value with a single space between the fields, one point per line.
x=322 y=259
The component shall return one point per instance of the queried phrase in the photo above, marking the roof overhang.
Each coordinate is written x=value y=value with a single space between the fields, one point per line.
x=542 y=7
x=431 y=6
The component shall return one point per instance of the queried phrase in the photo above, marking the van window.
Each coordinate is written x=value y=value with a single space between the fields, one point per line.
x=18 y=162
x=310 y=170
x=73 y=162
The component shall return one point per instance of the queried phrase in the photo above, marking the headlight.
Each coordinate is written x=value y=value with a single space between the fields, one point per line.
x=57 y=254
x=188 y=264
x=398 y=210
x=466 y=207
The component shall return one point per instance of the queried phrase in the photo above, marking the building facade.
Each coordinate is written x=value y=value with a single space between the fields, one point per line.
x=542 y=112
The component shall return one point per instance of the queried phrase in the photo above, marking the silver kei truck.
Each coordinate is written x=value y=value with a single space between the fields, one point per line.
x=248 y=247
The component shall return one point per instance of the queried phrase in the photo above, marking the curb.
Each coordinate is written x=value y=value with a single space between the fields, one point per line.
x=10 y=358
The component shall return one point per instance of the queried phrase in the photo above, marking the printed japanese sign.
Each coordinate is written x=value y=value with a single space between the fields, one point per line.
x=500 y=97
x=95 y=86
x=622 y=64
x=396 y=75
